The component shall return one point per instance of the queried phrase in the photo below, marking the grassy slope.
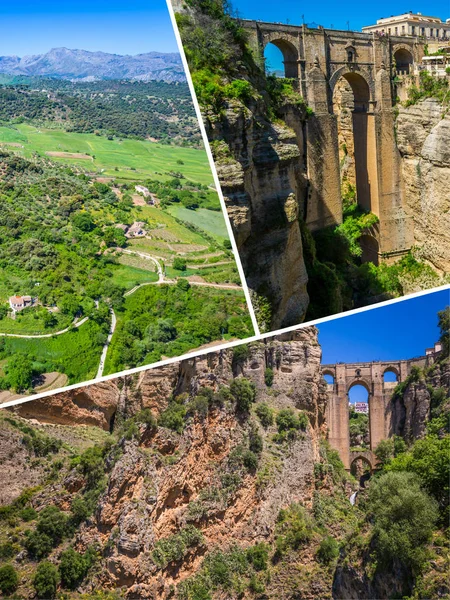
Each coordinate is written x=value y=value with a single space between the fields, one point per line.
x=76 y=353
x=150 y=160
x=212 y=222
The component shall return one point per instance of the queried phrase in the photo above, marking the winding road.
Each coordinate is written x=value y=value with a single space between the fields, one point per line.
x=161 y=280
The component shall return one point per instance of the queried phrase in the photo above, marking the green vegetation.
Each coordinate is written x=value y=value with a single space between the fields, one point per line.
x=404 y=516
x=166 y=320
x=328 y=550
x=9 y=579
x=430 y=86
x=125 y=109
x=46 y=580
x=244 y=392
x=339 y=280
x=175 y=547
x=71 y=157
x=359 y=429
x=289 y=423
x=124 y=159
x=265 y=414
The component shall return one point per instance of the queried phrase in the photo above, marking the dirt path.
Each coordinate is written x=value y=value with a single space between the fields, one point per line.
x=101 y=366
x=46 y=335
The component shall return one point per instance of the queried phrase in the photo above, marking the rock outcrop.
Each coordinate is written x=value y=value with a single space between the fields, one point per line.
x=261 y=169
x=423 y=138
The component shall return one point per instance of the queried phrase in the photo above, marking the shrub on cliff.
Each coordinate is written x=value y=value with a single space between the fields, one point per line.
x=73 y=566
x=46 y=580
x=404 y=518
x=175 y=547
x=328 y=550
x=293 y=529
x=289 y=423
x=268 y=377
x=244 y=392
x=173 y=417
x=9 y=579
x=265 y=414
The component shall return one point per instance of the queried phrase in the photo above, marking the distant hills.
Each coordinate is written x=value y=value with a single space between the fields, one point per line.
x=82 y=65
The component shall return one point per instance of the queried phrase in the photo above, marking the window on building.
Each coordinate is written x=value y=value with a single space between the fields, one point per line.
x=350 y=55
x=413 y=29
x=403 y=29
x=396 y=30
x=431 y=31
x=389 y=30
x=423 y=30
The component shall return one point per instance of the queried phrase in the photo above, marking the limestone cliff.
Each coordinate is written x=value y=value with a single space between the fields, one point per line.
x=423 y=138
x=185 y=491
x=159 y=482
x=261 y=169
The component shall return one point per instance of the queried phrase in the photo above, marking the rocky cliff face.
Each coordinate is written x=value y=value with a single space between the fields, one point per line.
x=423 y=138
x=160 y=481
x=261 y=169
x=412 y=408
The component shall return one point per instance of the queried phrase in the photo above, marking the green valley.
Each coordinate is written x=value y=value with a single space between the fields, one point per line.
x=96 y=224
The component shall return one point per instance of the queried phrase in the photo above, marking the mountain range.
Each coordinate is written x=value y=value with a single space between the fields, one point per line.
x=83 y=65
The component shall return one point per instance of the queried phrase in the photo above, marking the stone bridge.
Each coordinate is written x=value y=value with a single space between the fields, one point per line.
x=371 y=377
x=317 y=59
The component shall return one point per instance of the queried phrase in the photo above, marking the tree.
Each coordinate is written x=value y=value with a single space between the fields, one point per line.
x=20 y=372
x=8 y=579
x=385 y=451
x=72 y=568
x=183 y=284
x=69 y=305
x=404 y=518
x=244 y=392
x=179 y=264
x=429 y=460
x=46 y=580
x=52 y=522
x=444 y=326
x=268 y=377
x=265 y=414
x=328 y=550
x=83 y=221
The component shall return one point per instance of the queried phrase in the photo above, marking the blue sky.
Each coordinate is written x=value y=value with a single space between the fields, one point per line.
x=130 y=27
x=331 y=14
x=400 y=330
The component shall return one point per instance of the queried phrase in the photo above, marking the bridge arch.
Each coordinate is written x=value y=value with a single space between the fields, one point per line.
x=391 y=369
x=370 y=248
x=403 y=58
x=362 y=382
x=288 y=49
x=360 y=80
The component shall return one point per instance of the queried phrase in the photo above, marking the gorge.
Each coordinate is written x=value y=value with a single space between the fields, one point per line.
x=328 y=156
x=213 y=476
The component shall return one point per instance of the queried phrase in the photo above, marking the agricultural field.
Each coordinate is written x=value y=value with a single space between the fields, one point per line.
x=212 y=222
x=67 y=200
x=119 y=158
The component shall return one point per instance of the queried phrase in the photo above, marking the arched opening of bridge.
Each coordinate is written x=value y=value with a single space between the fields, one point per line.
x=361 y=468
x=280 y=59
x=370 y=249
x=403 y=61
x=358 y=396
x=356 y=140
x=390 y=376
x=329 y=378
